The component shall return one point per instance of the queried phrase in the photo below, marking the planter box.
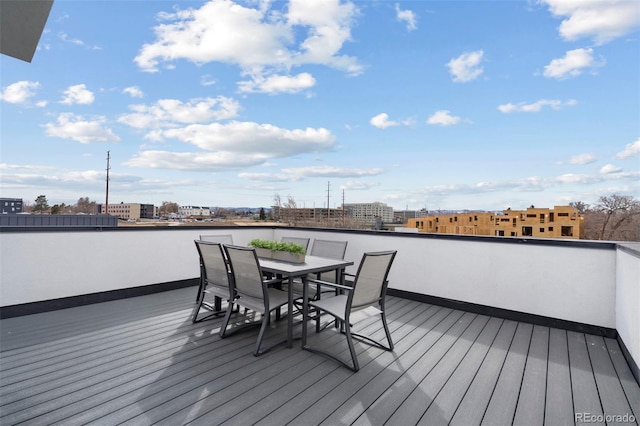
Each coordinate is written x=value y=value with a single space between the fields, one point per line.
x=282 y=256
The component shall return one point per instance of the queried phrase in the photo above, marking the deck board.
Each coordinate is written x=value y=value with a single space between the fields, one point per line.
x=142 y=361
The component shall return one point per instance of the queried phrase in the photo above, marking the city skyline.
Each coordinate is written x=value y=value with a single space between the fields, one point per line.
x=415 y=104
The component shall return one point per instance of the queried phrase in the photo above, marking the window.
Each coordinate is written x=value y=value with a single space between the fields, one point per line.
x=563 y=214
x=541 y=217
x=541 y=229
x=514 y=222
x=514 y=234
x=527 y=231
x=566 y=231
x=500 y=233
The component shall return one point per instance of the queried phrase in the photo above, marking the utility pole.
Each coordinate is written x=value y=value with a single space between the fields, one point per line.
x=106 y=202
x=343 y=218
x=328 y=208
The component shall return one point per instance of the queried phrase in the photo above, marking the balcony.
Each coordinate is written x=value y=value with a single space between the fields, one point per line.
x=487 y=330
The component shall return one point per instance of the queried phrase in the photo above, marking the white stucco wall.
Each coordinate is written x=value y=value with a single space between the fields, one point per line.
x=628 y=301
x=570 y=283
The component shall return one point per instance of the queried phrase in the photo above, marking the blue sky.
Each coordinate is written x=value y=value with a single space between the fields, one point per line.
x=437 y=104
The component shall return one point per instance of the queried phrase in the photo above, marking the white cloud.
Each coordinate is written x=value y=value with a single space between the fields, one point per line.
x=381 y=121
x=274 y=84
x=407 y=16
x=65 y=37
x=572 y=64
x=443 y=118
x=601 y=21
x=75 y=127
x=358 y=185
x=328 y=171
x=172 y=112
x=609 y=168
x=248 y=137
x=466 y=67
x=133 y=91
x=78 y=94
x=630 y=150
x=300 y=173
x=19 y=92
x=585 y=158
x=233 y=145
x=536 y=106
x=207 y=80
x=259 y=40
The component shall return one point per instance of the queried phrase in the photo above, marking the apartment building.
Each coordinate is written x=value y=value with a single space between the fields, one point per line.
x=10 y=205
x=194 y=211
x=128 y=211
x=369 y=212
x=559 y=222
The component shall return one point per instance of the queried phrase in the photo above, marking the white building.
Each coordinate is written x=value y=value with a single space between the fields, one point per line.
x=194 y=211
x=370 y=211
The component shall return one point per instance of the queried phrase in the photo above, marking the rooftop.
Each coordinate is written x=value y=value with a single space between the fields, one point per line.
x=96 y=329
x=141 y=361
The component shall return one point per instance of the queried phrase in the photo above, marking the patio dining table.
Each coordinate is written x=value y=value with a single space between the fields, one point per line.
x=290 y=271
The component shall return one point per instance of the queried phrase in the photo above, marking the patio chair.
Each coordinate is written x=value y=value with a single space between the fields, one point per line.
x=214 y=280
x=304 y=242
x=329 y=249
x=252 y=291
x=222 y=239
x=368 y=290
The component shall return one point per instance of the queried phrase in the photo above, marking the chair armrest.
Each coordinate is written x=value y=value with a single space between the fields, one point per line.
x=329 y=284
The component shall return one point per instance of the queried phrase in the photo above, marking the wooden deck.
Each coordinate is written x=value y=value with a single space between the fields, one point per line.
x=141 y=361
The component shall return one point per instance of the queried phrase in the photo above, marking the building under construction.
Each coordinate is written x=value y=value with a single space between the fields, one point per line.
x=559 y=222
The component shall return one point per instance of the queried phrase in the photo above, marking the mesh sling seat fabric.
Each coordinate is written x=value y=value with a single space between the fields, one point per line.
x=330 y=249
x=251 y=291
x=222 y=239
x=368 y=290
x=214 y=279
x=304 y=242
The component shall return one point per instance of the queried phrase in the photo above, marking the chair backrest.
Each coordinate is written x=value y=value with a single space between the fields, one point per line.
x=214 y=265
x=222 y=239
x=329 y=249
x=304 y=242
x=370 y=284
x=246 y=271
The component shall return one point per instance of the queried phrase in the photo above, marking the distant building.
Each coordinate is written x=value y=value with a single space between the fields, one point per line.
x=194 y=212
x=127 y=211
x=369 y=212
x=559 y=222
x=305 y=213
x=401 y=216
x=10 y=205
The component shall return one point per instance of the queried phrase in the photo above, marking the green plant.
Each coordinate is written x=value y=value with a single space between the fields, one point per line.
x=277 y=246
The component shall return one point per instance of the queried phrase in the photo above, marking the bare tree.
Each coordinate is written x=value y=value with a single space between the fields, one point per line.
x=580 y=206
x=292 y=208
x=167 y=208
x=617 y=209
x=84 y=205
